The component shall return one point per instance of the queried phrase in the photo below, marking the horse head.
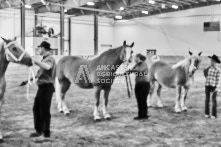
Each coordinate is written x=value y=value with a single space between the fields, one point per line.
x=194 y=61
x=126 y=52
x=15 y=53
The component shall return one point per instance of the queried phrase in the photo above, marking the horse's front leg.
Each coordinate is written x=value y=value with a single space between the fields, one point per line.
x=183 y=103
x=178 y=96
x=97 y=97
x=105 y=113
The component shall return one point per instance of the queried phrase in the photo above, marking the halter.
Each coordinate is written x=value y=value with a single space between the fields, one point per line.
x=9 y=53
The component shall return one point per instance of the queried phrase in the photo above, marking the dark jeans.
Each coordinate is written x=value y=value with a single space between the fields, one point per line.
x=209 y=90
x=41 y=109
x=141 y=92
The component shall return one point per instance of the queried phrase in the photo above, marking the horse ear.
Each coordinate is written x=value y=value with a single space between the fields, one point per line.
x=15 y=38
x=125 y=43
x=5 y=40
x=132 y=45
x=200 y=53
x=190 y=53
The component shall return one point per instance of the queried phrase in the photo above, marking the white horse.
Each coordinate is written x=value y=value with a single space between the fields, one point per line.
x=177 y=76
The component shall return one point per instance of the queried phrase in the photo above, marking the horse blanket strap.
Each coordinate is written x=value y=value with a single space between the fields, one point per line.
x=9 y=53
x=31 y=73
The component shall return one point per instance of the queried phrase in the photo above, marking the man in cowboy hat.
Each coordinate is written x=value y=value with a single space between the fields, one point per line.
x=45 y=82
x=212 y=74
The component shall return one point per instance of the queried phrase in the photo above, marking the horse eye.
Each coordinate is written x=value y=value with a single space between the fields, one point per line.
x=14 y=48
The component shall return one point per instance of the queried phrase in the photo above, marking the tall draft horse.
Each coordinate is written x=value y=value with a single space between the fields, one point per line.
x=97 y=73
x=10 y=51
x=179 y=76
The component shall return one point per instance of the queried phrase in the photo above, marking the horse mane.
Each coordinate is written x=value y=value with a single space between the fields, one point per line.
x=109 y=52
x=183 y=64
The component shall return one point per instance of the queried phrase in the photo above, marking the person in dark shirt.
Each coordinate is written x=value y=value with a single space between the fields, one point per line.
x=142 y=85
x=45 y=82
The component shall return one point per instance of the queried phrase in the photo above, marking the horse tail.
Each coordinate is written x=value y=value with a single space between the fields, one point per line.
x=57 y=90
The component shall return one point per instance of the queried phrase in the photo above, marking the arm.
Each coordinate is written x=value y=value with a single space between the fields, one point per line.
x=135 y=69
x=217 y=80
x=140 y=68
x=42 y=65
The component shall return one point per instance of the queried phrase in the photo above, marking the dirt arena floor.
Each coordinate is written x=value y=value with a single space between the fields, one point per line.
x=163 y=128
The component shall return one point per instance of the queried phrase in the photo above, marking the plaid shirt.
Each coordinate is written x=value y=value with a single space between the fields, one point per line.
x=212 y=78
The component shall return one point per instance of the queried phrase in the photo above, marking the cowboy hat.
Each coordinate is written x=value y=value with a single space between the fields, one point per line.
x=215 y=58
x=46 y=45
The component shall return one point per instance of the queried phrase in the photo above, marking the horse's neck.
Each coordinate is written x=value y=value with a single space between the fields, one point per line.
x=3 y=61
x=182 y=67
x=111 y=58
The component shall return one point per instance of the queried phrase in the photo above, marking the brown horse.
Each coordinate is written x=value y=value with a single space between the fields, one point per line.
x=177 y=76
x=10 y=51
x=97 y=73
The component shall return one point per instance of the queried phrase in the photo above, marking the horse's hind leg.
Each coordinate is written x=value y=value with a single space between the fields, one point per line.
x=183 y=104
x=178 y=96
x=159 y=100
x=64 y=86
x=97 y=97
x=149 y=98
x=105 y=113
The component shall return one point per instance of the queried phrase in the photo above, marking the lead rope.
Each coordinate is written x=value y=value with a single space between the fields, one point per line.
x=31 y=73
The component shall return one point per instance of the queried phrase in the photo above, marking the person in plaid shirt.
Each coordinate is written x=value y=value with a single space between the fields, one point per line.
x=212 y=74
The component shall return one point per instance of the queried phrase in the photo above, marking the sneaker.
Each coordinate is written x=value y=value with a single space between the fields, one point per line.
x=207 y=116
x=35 y=134
x=213 y=117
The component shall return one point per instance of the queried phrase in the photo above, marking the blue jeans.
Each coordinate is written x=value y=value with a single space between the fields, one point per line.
x=210 y=90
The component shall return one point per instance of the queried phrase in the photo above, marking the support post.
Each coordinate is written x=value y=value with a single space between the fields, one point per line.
x=23 y=24
x=62 y=29
x=69 y=34
x=95 y=34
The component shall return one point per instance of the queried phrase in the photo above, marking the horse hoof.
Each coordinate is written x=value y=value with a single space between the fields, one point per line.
x=97 y=118
x=178 y=111
x=67 y=114
x=107 y=118
x=184 y=109
x=160 y=106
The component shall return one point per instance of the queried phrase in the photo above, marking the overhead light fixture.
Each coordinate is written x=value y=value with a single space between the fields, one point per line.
x=121 y=8
x=163 y=6
x=90 y=3
x=65 y=10
x=151 y=2
x=28 y=6
x=118 y=17
x=144 y=12
x=218 y=0
x=175 y=6
x=43 y=2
